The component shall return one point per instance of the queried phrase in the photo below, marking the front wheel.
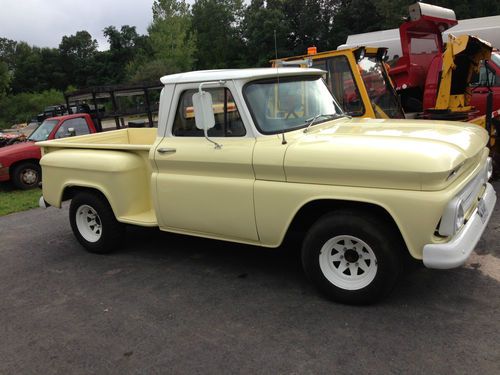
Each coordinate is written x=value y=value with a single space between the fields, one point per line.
x=352 y=258
x=26 y=175
x=94 y=223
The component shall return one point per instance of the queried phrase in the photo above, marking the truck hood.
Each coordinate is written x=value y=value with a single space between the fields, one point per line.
x=18 y=147
x=13 y=151
x=398 y=154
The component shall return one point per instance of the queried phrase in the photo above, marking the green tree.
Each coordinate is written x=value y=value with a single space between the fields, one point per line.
x=353 y=17
x=218 y=33
x=124 y=45
x=77 y=56
x=27 y=68
x=305 y=18
x=172 y=43
x=4 y=78
x=261 y=20
x=469 y=8
x=22 y=107
x=52 y=75
x=7 y=52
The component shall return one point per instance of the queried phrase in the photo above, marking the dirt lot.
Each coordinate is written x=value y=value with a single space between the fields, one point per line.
x=174 y=304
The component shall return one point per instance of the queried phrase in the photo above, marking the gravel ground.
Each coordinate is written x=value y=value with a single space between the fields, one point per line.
x=173 y=304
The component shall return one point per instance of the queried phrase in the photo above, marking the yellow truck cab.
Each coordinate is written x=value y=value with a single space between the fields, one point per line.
x=357 y=78
x=254 y=155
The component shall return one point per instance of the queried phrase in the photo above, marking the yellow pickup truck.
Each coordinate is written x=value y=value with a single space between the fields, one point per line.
x=269 y=153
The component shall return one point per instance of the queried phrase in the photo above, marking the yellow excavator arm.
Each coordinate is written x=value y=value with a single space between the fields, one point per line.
x=461 y=59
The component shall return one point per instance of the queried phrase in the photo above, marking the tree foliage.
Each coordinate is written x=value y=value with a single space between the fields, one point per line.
x=170 y=32
x=217 y=24
x=22 y=107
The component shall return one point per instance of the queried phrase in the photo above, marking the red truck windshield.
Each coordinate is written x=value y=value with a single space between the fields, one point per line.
x=382 y=95
x=43 y=131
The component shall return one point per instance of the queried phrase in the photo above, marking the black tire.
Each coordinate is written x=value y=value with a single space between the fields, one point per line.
x=343 y=229
x=102 y=238
x=26 y=175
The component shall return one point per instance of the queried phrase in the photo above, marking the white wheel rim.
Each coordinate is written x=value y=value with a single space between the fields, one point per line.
x=348 y=262
x=88 y=223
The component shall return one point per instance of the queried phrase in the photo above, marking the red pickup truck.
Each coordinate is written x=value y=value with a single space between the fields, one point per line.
x=19 y=163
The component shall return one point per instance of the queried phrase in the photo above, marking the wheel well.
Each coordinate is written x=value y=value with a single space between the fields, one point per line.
x=71 y=191
x=15 y=164
x=312 y=211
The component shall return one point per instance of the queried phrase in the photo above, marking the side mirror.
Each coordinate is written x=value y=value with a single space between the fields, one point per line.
x=203 y=110
x=204 y=113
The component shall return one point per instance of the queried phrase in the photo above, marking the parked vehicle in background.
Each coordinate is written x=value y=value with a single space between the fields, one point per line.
x=11 y=138
x=19 y=162
x=486 y=28
x=357 y=78
x=52 y=111
x=458 y=83
x=430 y=60
x=254 y=155
x=485 y=81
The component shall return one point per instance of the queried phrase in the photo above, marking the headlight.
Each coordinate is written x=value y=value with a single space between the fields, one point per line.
x=489 y=168
x=459 y=216
x=453 y=218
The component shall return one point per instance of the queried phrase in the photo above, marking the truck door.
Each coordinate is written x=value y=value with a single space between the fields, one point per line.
x=201 y=189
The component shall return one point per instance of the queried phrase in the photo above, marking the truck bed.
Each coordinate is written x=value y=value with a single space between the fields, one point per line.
x=123 y=139
x=113 y=161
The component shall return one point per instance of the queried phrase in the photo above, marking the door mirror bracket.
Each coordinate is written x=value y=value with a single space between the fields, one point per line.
x=204 y=112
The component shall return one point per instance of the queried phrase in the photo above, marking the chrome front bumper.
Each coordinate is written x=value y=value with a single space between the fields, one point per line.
x=454 y=253
x=42 y=203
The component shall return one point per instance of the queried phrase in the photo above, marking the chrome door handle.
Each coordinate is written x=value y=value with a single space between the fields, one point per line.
x=166 y=150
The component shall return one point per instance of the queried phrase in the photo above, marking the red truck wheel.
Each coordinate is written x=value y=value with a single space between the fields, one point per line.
x=26 y=175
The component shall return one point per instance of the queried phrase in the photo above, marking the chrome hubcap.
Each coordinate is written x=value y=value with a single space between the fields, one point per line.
x=29 y=176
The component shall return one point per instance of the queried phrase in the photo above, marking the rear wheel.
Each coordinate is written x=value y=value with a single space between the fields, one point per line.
x=94 y=223
x=351 y=258
x=26 y=175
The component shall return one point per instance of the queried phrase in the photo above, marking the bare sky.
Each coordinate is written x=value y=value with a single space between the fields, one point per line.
x=43 y=23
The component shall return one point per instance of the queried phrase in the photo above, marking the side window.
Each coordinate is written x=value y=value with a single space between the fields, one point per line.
x=343 y=86
x=321 y=64
x=78 y=124
x=484 y=78
x=228 y=122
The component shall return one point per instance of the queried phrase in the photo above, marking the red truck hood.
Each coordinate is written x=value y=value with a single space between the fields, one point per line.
x=25 y=150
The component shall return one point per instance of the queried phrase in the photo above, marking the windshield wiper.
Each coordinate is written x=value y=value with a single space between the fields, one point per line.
x=330 y=116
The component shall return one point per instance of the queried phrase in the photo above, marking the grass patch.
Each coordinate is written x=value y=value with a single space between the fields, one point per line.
x=13 y=200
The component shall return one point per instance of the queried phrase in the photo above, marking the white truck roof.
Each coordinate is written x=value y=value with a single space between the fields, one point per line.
x=231 y=74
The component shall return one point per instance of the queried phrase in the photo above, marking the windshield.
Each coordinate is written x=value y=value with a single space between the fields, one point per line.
x=496 y=58
x=380 y=91
x=43 y=131
x=289 y=103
